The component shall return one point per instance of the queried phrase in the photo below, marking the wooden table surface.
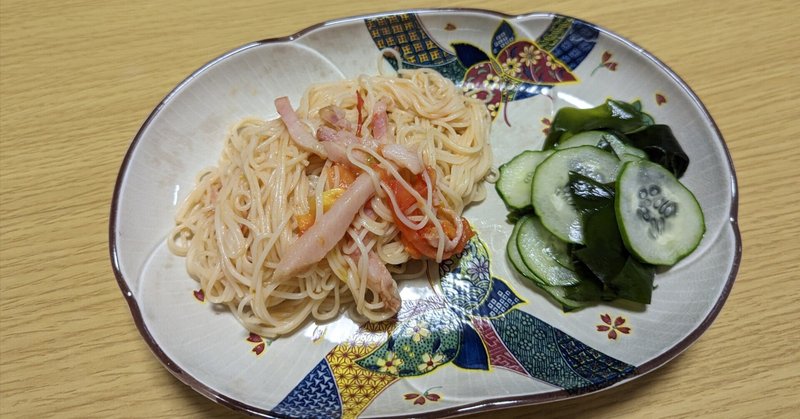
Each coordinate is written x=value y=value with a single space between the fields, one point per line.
x=79 y=78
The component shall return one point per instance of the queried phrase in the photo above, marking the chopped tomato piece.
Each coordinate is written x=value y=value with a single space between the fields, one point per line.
x=346 y=176
x=404 y=197
x=420 y=242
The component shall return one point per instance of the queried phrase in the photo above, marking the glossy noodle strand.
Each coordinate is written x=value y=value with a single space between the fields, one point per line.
x=243 y=216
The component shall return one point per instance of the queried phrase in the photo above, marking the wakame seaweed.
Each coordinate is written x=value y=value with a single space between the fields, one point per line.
x=604 y=252
x=613 y=114
x=661 y=147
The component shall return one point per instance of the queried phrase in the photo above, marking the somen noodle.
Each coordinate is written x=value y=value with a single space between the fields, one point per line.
x=322 y=208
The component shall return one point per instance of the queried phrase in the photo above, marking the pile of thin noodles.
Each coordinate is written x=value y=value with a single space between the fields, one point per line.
x=240 y=220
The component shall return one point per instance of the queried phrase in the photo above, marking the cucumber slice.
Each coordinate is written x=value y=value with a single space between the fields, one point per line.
x=514 y=183
x=514 y=256
x=624 y=152
x=659 y=219
x=550 y=194
x=592 y=138
x=560 y=294
x=543 y=254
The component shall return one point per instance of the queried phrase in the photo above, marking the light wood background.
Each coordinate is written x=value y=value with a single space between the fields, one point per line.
x=78 y=78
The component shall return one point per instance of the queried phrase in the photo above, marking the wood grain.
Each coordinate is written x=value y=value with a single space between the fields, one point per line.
x=77 y=79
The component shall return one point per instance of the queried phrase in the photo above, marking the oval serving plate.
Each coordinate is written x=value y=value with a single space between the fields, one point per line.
x=469 y=342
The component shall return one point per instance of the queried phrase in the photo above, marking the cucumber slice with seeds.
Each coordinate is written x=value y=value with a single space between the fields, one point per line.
x=660 y=219
x=550 y=191
x=514 y=183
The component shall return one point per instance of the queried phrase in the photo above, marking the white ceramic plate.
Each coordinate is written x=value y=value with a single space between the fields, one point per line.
x=506 y=343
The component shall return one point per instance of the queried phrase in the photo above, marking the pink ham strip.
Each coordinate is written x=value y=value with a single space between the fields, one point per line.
x=336 y=152
x=328 y=229
x=342 y=137
x=404 y=157
x=300 y=136
x=380 y=120
x=335 y=116
x=380 y=281
x=334 y=144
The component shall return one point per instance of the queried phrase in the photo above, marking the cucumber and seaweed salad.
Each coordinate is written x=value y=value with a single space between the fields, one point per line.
x=600 y=208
